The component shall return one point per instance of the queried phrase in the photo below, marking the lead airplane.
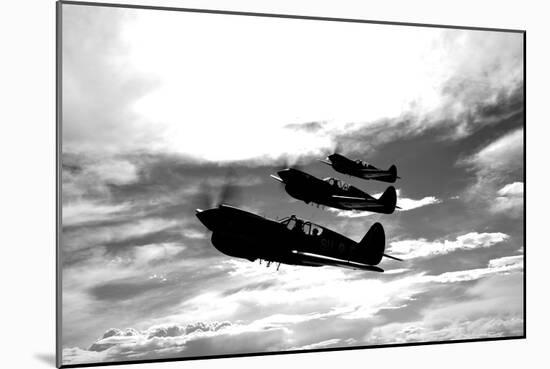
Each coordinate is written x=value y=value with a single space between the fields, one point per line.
x=360 y=168
x=239 y=233
x=334 y=193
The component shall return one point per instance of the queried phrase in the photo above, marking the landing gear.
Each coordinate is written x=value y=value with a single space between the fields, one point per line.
x=268 y=263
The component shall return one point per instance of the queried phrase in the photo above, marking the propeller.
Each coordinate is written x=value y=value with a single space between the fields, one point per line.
x=216 y=191
x=338 y=148
x=335 y=148
x=289 y=162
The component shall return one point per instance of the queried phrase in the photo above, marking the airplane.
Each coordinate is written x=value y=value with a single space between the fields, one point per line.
x=334 y=193
x=242 y=234
x=361 y=169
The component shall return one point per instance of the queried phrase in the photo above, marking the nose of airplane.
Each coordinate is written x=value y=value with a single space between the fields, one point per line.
x=285 y=174
x=208 y=217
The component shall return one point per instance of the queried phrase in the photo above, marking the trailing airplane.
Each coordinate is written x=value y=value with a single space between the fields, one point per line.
x=360 y=169
x=334 y=193
x=239 y=233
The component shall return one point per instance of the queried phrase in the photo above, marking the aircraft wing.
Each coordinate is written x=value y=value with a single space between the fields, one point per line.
x=375 y=173
x=276 y=178
x=362 y=202
x=349 y=198
x=327 y=260
x=374 y=170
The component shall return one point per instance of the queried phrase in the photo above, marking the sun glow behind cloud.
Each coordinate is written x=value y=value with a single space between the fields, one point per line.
x=206 y=96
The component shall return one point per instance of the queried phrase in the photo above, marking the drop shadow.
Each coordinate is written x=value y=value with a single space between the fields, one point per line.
x=46 y=358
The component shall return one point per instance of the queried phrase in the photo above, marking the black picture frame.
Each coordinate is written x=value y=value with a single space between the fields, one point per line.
x=59 y=129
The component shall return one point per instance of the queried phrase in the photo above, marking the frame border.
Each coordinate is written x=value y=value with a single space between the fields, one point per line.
x=287 y=16
x=58 y=154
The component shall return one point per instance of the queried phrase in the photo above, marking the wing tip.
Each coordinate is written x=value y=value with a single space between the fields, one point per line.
x=276 y=178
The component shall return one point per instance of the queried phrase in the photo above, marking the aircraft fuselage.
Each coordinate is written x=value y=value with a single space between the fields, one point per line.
x=241 y=234
x=331 y=192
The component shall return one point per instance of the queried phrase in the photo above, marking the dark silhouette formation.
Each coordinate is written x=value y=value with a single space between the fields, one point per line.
x=295 y=241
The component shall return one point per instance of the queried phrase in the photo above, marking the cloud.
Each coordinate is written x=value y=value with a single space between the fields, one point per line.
x=486 y=327
x=76 y=213
x=515 y=261
x=409 y=204
x=197 y=339
x=422 y=248
x=310 y=127
x=404 y=203
x=124 y=290
x=100 y=86
x=494 y=166
x=509 y=200
x=504 y=265
x=266 y=329
x=126 y=91
x=335 y=342
x=501 y=156
x=147 y=126
x=488 y=308
x=94 y=175
x=350 y=213
x=117 y=236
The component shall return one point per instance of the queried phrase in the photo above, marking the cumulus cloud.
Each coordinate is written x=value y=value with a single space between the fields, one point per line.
x=422 y=248
x=201 y=338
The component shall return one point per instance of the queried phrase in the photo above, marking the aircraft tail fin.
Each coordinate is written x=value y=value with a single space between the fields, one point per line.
x=393 y=171
x=389 y=199
x=372 y=246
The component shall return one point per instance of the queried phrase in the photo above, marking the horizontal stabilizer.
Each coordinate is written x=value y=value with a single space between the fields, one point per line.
x=375 y=174
x=325 y=161
x=330 y=261
x=392 y=257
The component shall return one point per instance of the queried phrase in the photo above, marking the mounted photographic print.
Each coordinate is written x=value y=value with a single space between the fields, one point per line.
x=241 y=184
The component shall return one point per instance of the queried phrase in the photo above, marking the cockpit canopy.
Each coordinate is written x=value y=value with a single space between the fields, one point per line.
x=362 y=163
x=292 y=223
x=337 y=182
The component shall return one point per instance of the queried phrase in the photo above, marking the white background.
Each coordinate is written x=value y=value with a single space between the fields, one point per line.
x=27 y=311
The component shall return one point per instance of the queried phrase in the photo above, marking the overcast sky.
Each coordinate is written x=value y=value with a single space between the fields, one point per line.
x=159 y=105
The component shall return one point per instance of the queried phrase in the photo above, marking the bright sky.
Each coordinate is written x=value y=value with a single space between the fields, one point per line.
x=205 y=84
